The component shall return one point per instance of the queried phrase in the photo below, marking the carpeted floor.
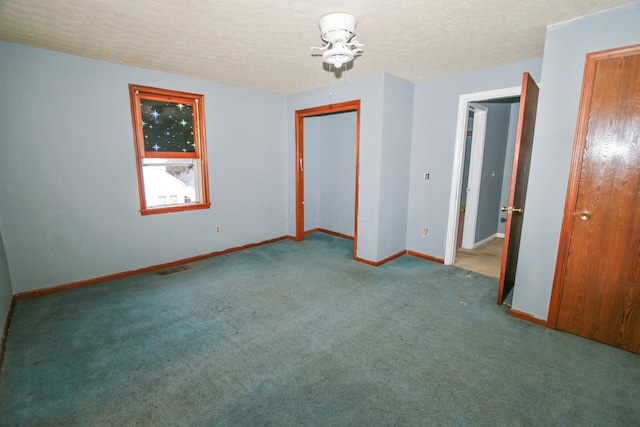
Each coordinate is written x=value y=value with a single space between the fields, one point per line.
x=295 y=334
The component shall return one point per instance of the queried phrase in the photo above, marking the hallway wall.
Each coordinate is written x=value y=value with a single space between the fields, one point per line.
x=493 y=161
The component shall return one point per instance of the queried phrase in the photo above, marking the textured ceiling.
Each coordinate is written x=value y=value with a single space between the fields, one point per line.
x=265 y=44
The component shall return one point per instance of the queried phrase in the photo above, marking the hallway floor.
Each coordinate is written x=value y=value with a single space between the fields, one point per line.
x=485 y=259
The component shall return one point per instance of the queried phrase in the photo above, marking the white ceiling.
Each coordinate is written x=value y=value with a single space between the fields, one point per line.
x=265 y=44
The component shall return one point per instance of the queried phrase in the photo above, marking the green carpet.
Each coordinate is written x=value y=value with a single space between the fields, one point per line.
x=295 y=334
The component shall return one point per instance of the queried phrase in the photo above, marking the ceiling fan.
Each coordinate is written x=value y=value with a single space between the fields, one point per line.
x=338 y=30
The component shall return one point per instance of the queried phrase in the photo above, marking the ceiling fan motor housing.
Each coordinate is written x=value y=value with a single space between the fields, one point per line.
x=335 y=27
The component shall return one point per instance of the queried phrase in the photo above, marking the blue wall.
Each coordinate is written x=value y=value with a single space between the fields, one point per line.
x=314 y=127
x=330 y=172
x=467 y=160
x=395 y=158
x=68 y=183
x=370 y=91
x=435 y=117
x=6 y=291
x=564 y=57
x=495 y=147
x=385 y=136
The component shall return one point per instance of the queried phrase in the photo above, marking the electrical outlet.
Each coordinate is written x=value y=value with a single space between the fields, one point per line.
x=219 y=229
x=425 y=232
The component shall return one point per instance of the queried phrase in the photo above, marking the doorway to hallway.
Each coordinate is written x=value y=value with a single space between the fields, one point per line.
x=485 y=259
x=484 y=152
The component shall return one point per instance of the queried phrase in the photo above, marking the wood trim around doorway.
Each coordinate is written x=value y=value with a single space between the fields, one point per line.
x=299 y=163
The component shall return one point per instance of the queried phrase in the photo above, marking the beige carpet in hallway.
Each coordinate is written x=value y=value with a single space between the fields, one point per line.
x=485 y=259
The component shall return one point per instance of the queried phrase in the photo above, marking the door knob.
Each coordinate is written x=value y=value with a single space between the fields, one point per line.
x=511 y=209
x=584 y=215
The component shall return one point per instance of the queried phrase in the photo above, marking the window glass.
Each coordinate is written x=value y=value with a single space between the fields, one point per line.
x=167 y=126
x=170 y=149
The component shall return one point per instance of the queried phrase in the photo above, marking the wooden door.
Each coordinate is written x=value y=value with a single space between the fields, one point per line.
x=596 y=290
x=519 y=183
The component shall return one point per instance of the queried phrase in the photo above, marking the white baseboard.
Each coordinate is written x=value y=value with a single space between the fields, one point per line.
x=487 y=240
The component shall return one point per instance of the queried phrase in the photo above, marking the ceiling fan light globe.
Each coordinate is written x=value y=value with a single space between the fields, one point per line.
x=337 y=57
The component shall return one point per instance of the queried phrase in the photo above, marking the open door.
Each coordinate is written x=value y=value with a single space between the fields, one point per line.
x=519 y=183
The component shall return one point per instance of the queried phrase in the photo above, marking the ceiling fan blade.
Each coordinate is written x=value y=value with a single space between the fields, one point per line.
x=321 y=49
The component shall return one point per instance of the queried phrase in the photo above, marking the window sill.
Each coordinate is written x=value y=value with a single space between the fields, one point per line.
x=175 y=208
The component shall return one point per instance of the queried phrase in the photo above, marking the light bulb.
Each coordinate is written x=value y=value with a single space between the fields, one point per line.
x=338 y=63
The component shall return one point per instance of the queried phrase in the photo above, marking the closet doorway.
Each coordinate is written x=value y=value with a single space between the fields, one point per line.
x=327 y=153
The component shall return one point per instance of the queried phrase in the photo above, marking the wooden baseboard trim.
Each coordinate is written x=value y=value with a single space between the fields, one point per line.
x=399 y=254
x=333 y=233
x=384 y=261
x=427 y=257
x=527 y=317
x=93 y=281
x=5 y=332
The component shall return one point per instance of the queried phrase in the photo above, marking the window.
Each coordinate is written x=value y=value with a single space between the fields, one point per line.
x=168 y=128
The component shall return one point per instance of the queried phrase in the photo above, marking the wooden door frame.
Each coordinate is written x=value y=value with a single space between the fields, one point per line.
x=579 y=143
x=458 y=161
x=300 y=115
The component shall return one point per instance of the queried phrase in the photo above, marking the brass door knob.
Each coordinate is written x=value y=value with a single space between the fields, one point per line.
x=511 y=209
x=584 y=215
